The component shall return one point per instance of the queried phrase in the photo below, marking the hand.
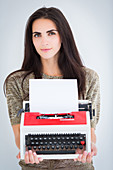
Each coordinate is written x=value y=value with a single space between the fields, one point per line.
x=31 y=157
x=18 y=156
x=87 y=157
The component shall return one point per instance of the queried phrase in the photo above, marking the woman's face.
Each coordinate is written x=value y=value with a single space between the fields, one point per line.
x=46 y=38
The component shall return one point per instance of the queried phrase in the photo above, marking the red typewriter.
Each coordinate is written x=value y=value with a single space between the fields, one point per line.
x=58 y=135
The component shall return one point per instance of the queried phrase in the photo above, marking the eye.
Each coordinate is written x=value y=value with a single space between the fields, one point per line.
x=37 y=35
x=51 y=33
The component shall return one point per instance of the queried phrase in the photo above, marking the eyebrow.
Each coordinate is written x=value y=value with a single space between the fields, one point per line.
x=46 y=31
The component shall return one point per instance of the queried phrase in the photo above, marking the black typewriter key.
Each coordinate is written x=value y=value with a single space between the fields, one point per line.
x=64 y=142
x=34 y=147
x=49 y=138
x=84 y=136
x=68 y=142
x=80 y=146
x=50 y=143
x=26 y=137
x=45 y=143
x=40 y=138
x=71 y=146
x=59 y=142
x=78 y=142
x=67 y=138
x=62 y=146
x=43 y=147
x=54 y=138
x=66 y=146
x=75 y=146
x=76 y=137
x=45 y=138
x=32 y=143
x=55 y=142
x=36 y=138
x=53 y=147
x=28 y=143
x=39 y=147
x=41 y=143
x=73 y=142
x=81 y=138
x=37 y=143
x=57 y=146
x=29 y=148
x=72 y=137
x=62 y=137
x=58 y=137
x=31 y=138
x=56 y=152
x=48 y=147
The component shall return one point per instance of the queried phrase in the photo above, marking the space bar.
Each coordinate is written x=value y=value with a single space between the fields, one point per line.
x=56 y=152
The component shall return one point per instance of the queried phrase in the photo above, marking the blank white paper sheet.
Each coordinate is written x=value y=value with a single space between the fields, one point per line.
x=53 y=95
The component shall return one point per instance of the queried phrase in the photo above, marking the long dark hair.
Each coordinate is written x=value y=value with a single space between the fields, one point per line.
x=69 y=62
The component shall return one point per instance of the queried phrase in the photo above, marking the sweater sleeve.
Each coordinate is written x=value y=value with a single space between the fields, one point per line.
x=93 y=95
x=14 y=100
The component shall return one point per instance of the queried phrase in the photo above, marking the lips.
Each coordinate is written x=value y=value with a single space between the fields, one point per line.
x=45 y=50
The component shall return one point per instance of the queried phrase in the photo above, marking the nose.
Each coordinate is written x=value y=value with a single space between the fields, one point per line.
x=44 y=41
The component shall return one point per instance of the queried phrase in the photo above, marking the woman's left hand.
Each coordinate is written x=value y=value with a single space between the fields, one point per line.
x=87 y=157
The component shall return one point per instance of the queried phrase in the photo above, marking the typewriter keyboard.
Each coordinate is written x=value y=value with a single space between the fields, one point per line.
x=55 y=143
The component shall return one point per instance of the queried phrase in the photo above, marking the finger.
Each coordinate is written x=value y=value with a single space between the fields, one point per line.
x=31 y=157
x=75 y=159
x=83 y=159
x=79 y=151
x=94 y=149
x=88 y=159
x=40 y=159
x=79 y=157
x=26 y=157
x=36 y=160
x=18 y=156
x=92 y=153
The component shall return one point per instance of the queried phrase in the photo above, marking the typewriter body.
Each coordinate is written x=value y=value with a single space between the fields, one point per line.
x=58 y=135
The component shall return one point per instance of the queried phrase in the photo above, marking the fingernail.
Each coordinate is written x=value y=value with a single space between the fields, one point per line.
x=75 y=159
x=89 y=153
x=34 y=153
x=80 y=156
x=92 y=154
x=85 y=153
x=30 y=151
x=41 y=159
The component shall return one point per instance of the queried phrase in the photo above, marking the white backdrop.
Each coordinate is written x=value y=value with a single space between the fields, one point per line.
x=92 y=26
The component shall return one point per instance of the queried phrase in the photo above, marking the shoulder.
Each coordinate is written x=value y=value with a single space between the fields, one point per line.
x=18 y=76
x=92 y=82
x=16 y=79
x=91 y=74
x=16 y=82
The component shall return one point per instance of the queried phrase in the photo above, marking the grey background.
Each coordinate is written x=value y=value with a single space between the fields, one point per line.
x=92 y=26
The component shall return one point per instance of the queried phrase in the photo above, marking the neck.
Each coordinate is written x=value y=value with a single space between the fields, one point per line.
x=50 y=67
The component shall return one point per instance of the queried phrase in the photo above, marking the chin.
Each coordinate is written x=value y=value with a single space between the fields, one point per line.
x=46 y=58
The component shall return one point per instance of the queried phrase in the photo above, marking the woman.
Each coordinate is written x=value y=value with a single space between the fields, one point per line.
x=51 y=52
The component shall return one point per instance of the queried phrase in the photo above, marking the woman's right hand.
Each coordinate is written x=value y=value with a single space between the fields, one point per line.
x=31 y=157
